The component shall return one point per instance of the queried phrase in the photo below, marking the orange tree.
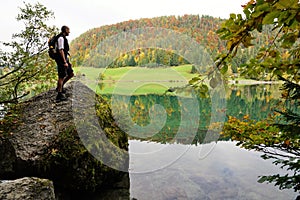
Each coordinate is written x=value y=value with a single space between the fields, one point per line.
x=278 y=137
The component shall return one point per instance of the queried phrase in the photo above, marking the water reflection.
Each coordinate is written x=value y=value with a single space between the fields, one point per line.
x=255 y=101
x=164 y=168
x=226 y=172
x=168 y=169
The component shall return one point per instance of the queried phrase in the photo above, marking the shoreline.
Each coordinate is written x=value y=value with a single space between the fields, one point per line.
x=253 y=82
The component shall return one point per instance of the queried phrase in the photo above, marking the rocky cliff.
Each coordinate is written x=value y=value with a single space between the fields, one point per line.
x=59 y=141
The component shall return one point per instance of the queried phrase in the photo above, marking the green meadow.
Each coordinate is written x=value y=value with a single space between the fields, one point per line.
x=134 y=80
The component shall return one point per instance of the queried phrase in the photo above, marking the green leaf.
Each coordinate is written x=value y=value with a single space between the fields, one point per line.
x=284 y=4
x=202 y=95
x=257 y=14
x=203 y=88
x=224 y=69
x=263 y=179
x=232 y=15
x=265 y=7
x=269 y=18
x=247 y=13
x=194 y=80
x=259 y=27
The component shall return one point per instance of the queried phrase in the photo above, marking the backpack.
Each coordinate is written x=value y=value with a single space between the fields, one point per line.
x=53 y=47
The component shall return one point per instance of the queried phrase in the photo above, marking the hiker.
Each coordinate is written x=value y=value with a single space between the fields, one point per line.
x=64 y=67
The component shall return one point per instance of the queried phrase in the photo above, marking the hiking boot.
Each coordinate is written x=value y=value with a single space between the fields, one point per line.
x=64 y=91
x=60 y=97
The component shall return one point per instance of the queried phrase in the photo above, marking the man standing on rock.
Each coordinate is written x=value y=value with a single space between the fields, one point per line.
x=64 y=67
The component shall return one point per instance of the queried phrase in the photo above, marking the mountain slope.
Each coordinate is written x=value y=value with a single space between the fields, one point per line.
x=201 y=29
x=86 y=49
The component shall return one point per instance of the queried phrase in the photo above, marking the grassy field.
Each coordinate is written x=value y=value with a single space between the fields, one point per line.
x=134 y=80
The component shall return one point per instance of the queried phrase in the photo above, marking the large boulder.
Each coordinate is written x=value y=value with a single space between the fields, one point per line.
x=59 y=141
x=27 y=189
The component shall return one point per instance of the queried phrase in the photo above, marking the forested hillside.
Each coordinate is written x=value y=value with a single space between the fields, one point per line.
x=201 y=28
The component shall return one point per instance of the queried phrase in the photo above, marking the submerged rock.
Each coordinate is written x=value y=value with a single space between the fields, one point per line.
x=51 y=141
x=27 y=189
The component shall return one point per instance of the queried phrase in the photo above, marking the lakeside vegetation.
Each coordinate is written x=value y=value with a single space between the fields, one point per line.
x=154 y=81
x=140 y=79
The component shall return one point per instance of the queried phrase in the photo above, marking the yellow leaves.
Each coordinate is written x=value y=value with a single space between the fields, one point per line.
x=231 y=119
x=238 y=93
x=142 y=55
x=139 y=104
x=250 y=133
x=230 y=45
x=284 y=94
x=246 y=117
x=169 y=111
x=239 y=36
x=285 y=55
x=136 y=102
x=125 y=57
x=136 y=59
x=87 y=56
x=54 y=151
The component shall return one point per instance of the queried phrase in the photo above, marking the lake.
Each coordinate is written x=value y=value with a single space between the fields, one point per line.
x=166 y=165
x=211 y=171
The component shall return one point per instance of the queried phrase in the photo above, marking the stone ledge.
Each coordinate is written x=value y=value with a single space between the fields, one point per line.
x=28 y=188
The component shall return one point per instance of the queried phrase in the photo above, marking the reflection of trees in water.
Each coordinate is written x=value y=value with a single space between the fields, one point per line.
x=256 y=101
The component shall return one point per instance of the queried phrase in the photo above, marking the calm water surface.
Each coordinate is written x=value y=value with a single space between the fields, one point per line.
x=213 y=171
